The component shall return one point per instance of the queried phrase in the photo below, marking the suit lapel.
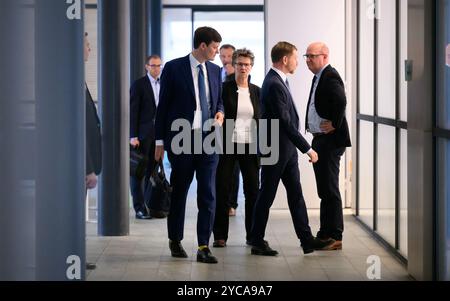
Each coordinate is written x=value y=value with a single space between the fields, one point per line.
x=212 y=84
x=188 y=74
x=291 y=99
x=149 y=90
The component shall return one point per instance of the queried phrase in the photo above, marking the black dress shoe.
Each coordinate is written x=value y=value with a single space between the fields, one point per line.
x=205 y=256
x=263 y=249
x=219 y=243
x=142 y=215
x=90 y=266
x=158 y=214
x=177 y=249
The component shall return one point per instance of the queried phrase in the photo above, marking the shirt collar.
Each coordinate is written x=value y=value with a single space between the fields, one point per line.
x=194 y=62
x=318 y=75
x=280 y=73
x=152 y=80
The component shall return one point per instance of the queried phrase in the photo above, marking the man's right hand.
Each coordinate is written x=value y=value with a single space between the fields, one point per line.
x=134 y=142
x=159 y=153
x=313 y=156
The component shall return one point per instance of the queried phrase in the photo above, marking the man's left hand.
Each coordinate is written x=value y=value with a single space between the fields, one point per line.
x=218 y=119
x=91 y=181
x=327 y=127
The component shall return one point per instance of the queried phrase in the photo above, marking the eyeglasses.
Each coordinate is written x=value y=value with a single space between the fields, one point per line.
x=244 y=65
x=312 y=56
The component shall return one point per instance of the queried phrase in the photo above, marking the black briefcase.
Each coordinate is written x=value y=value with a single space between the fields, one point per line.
x=138 y=162
x=160 y=195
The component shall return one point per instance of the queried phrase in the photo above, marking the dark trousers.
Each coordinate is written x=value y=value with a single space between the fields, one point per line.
x=183 y=169
x=288 y=172
x=139 y=187
x=326 y=171
x=250 y=174
x=234 y=189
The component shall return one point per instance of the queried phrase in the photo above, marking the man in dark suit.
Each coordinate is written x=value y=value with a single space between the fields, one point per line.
x=278 y=105
x=93 y=139
x=144 y=97
x=325 y=120
x=191 y=90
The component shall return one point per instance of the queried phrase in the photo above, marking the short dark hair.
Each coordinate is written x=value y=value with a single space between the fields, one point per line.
x=85 y=34
x=244 y=52
x=151 y=57
x=206 y=35
x=282 y=49
x=228 y=46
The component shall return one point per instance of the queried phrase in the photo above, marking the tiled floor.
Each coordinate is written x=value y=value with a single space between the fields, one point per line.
x=144 y=254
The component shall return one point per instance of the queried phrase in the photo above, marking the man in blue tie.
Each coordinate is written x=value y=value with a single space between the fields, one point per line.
x=191 y=90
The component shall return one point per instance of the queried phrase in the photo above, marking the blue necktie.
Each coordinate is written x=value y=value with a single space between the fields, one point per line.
x=202 y=95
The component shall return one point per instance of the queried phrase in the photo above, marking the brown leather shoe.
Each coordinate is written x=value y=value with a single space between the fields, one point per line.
x=328 y=244
x=336 y=245
x=219 y=243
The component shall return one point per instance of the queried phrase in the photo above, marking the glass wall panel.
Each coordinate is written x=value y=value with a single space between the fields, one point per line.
x=241 y=29
x=443 y=63
x=386 y=183
x=443 y=211
x=387 y=59
x=365 y=180
x=366 y=57
x=213 y=2
x=176 y=33
x=403 y=84
x=403 y=174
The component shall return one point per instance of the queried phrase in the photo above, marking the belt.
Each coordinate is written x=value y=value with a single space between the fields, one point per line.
x=318 y=134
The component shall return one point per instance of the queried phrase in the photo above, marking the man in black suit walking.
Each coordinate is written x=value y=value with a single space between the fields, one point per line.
x=325 y=120
x=278 y=104
x=93 y=139
x=144 y=97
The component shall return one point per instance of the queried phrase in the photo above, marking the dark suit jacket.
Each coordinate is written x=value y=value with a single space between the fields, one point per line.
x=330 y=102
x=177 y=96
x=230 y=103
x=93 y=137
x=142 y=109
x=278 y=104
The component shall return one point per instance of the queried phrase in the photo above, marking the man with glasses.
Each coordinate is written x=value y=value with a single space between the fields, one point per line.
x=325 y=120
x=144 y=97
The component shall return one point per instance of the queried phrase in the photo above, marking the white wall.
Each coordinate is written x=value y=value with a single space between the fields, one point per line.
x=301 y=22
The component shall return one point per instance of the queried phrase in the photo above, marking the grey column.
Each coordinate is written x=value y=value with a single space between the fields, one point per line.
x=420 y=139
x=139 y=37
x=155 y=26
x=42 y=134
x=17 y=213
x=113 y=205
x=60 y=129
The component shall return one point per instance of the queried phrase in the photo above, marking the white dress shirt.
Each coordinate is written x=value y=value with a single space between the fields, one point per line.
x=156 y=85
x=314 y=120
x=244 y=117
x=197 y=123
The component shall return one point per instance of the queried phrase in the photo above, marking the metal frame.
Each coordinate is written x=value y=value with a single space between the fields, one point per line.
x=397 y=123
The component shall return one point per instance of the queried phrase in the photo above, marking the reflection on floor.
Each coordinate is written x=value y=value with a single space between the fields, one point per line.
x=144 y=254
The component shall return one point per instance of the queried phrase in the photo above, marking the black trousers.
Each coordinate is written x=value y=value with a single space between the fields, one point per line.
x=139 y=187
x=233 y=201
x=326 y=171
x=250 y=173
x=287 y=171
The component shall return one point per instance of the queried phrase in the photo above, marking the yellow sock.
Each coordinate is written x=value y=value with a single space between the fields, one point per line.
x=201 y=248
